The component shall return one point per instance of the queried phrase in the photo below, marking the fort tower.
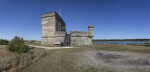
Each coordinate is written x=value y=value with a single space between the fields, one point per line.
x=54 y=31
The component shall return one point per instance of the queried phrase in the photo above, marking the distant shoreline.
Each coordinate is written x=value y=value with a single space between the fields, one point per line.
x=95 y=40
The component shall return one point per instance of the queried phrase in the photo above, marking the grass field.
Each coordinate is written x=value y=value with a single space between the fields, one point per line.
x=96 y=58
x=118 y=47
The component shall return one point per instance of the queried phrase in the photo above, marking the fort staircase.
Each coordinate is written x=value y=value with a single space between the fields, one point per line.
x=67 y=40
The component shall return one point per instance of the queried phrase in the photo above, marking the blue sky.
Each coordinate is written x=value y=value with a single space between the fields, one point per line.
x=112 y=19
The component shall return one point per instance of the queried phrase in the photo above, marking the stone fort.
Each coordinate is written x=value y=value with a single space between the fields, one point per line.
x=54 y=31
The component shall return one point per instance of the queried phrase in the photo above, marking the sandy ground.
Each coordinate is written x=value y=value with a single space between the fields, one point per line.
x=115 y=61
x=49 y=47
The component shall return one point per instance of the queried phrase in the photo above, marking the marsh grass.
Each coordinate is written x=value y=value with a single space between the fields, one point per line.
x=14 y=62
x=118 y=47
x=139 y=44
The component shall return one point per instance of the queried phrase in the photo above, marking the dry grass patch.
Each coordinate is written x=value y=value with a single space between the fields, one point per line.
x=14 y=62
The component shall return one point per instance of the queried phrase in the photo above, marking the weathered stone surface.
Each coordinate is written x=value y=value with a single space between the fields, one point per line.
x=91 y=31
x=80 y=38
x=78 y=34
x=54 y=30
x=80 y=41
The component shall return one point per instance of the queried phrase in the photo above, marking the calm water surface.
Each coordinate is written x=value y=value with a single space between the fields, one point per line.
x=121 y=42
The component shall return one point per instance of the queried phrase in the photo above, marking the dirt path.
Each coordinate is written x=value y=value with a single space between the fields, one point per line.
x=49 y=63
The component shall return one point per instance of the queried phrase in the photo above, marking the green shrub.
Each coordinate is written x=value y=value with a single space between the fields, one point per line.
x=17 y=45
x=3 y=42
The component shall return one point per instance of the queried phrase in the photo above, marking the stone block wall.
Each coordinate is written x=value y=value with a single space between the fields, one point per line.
x=53 y=29
x=48 y=26
x=80 y=38
x=48 y=41
x=60 y=36
x=80 y=41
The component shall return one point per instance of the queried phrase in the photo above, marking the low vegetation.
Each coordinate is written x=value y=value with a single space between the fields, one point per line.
x=17 y=45
x=118 y=47
x=3 y=42
x=139 y=44
x=15 y=55
x=14 y=62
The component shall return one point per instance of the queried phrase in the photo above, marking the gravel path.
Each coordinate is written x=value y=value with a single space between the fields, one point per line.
x=50 y=47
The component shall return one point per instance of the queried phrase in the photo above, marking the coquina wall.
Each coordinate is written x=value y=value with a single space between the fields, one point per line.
x=53 y=29
x=80 y=38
